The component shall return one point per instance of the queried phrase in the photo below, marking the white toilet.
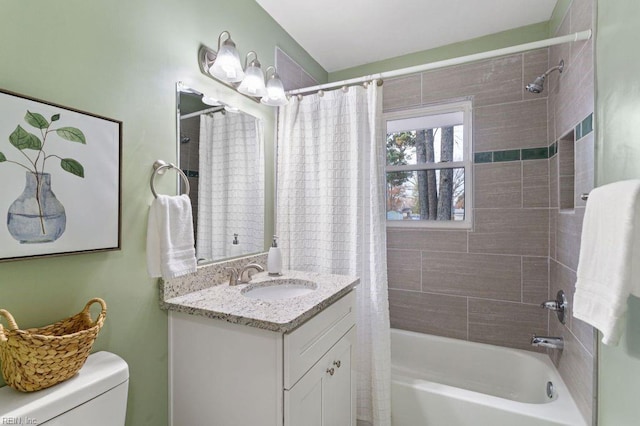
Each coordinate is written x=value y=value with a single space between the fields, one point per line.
x=96 y=396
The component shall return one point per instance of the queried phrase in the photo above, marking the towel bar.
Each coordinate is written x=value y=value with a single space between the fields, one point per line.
x=159 y=167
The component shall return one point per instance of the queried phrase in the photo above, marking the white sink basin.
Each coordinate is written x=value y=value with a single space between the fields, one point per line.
x=277 y=289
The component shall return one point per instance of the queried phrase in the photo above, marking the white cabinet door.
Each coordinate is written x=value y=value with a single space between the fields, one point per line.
x=324 y=396
x=337 y=398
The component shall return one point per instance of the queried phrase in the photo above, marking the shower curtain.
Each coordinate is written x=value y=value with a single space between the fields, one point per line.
x=331 y=218
x=230 y=186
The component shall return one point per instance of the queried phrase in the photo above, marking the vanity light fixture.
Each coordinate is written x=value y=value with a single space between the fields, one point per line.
x=253 y=82
x=224 y=65
x=275 y=90
x=207 y=100
x=227 y=66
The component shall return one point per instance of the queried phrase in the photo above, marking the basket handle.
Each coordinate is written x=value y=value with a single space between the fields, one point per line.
x=103 y=313
x=12 y=324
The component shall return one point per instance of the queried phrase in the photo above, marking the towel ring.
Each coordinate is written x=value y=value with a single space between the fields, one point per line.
x=159 y=167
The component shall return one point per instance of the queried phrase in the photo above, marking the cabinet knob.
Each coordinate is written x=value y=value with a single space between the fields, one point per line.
x=331 y=371
x=337 y=363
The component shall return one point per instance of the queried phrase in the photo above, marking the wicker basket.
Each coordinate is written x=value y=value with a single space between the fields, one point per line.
x=38 y=358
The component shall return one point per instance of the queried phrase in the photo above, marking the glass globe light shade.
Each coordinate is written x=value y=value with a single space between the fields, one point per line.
x=227 y=66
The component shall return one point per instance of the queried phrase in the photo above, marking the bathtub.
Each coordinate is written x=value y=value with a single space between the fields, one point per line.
x=438 y=381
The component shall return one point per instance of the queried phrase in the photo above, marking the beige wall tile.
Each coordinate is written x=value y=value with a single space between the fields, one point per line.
x=576 y=366
x=535 y=183
x=554 y=182
x=585 y=164
x=510 y=231
x=563 y=278
x=535 y=63
x=576 y=96
x=568 y=234
x=404 y=269
x=288 y=70
x=535 y=279
x=504 y=323
x=426 y=239
x=476 y=275
x=429 y=313
x=567 y=191
x=566 y=156
x=553 y=225
x=558 y=52
x=401 y=92
x=510 y=126
x=498 y=185
x=491 y=82
x=582 y=18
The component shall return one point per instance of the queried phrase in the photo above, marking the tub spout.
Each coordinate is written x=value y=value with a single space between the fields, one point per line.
x=548 y=342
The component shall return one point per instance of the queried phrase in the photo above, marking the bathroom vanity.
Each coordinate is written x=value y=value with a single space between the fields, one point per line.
x=264 y=359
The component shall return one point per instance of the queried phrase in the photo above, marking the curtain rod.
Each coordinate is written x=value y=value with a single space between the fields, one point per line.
x=579 y=36
x=204 y=111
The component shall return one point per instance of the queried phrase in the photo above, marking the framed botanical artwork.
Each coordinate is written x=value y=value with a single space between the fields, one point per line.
x=60 y=179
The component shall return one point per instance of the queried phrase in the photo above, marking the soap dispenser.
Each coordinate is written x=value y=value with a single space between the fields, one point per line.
x=274 y=259
x=235 y=247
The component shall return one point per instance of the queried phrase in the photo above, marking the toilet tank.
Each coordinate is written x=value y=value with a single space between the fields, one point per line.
x=96 y=396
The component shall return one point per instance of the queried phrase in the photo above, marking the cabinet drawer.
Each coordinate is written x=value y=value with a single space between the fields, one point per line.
x=305 y=345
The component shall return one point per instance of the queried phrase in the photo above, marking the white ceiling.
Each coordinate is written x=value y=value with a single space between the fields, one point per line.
x=340 y=34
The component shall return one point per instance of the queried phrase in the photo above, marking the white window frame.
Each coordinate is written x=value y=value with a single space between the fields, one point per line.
x=464 y=106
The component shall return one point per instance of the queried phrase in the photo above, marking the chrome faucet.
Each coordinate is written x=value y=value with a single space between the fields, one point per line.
x=548 y=342
x=245 y=276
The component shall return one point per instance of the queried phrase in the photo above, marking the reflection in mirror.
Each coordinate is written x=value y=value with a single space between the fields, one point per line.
x=221 y=150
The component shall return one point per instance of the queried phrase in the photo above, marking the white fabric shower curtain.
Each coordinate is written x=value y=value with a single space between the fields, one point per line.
x=331 y=218
x=230 y=185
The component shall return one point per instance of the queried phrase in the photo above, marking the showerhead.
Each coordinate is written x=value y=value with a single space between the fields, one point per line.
x=538 y=84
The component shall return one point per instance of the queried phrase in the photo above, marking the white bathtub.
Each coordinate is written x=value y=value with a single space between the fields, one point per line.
x=437 y=381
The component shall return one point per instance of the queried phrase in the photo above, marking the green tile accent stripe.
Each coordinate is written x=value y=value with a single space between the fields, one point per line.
x=587 y=125
x=510 y=155
x=192 y=173
x=535 y=153
x=584 y=127
x=578 y=132
x=483 y=157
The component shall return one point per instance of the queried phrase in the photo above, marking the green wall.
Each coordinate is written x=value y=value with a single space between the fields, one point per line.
x=121 y=59
x=618 y=158
x=499 y=40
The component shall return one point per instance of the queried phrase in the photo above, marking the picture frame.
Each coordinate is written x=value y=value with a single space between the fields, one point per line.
x=60 y=179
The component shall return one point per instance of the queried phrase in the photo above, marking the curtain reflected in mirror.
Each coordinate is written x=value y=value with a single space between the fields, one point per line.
x=221 y=151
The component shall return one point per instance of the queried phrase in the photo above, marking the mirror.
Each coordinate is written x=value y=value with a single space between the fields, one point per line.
x=221 y=150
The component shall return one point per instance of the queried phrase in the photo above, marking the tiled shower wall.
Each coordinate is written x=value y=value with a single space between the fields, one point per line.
x=571 y=104
x=533 y=155
x=484 y=284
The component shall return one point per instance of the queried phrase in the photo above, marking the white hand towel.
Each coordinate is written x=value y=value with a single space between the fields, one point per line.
x=170 y=243
x=609 y=263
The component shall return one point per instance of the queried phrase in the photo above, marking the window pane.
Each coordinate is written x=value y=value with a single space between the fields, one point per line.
x=426 y=195
x=428 y=145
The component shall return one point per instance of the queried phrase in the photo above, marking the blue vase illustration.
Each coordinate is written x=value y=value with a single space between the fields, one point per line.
x=36 y=216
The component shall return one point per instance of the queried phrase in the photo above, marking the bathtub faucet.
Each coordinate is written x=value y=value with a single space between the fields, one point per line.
x=548 y=342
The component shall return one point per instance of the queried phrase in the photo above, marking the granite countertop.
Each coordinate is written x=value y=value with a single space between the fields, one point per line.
x=227 y=303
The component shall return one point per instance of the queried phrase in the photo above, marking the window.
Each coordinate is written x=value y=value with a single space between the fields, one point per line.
x=428 y=167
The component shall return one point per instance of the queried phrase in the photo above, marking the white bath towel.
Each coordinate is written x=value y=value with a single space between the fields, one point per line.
x=609 y=264
x=170 y=241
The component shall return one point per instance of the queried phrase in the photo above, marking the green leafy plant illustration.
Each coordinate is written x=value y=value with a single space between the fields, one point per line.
x=32 y=147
